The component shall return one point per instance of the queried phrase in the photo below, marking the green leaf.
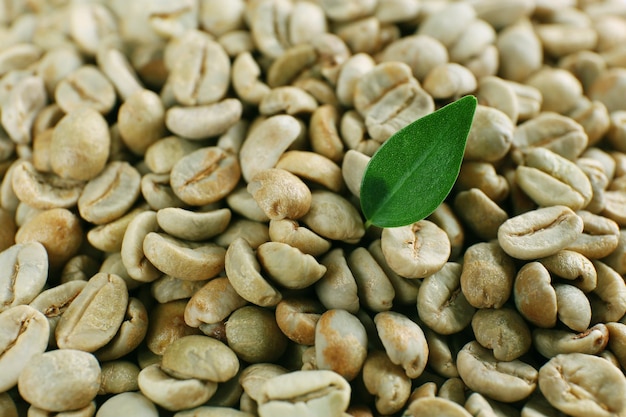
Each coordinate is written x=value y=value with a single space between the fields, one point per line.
x=414 y=170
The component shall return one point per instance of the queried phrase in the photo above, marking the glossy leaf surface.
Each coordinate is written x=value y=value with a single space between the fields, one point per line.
x=413 y=172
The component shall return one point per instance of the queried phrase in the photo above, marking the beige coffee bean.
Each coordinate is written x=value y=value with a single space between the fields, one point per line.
x=560 y=134
x=614 y=204
x=276 y=133
x=487 y=276
x=600 y=236
x=200 y=357
x=58 y=230
x=593 y=117
x=453 y=389
x=287 y=99
x=25 y=99
x=340 y=343
x=118 y=377
x=598 y=180
x=87 y=411
x=54 y=301
x=323 y=131
x=497 y=93
x=79 y=268
x=352 y=170
x=539 y=233
x=158 y=193
x=585 y=65
x=485 y=216
x=319 y=89
x=528 y=100
x=109 y=237
x=56 y=64
x=91 y=24
x=426 y=252
x=243 y=203
x=244 y=273
x=313 y=167
x=376 y=97
x=133 y=256
x=520 y=50
x=355 y=67
x=483 y=175
x=24 y=275
x=205 y=176
x=316 y=392
x=449 y=80
x=608 y=299
x=441 y=304
x=483 y=373
x=161 y=155
x=386 y=381
x=573 y=308
x=131 y=332
x=490 y=136
x=85 y=87
x=550 y=179
x=552 y=342
x=295 y=235
x=447 y=220
x=404 y=342
x=18 y=56
x=608 y=87
x=574 y=267
x=280 y=194
x=115 y=65
x=288 y=266
x=374 y=286
x=203 y=121
x=24 y=335
x=60 y=380
x=254 y=376
x=535 y=297
x=405 y=290
x=333 y=217
x=253 y=232
x=268 y=22
x=166 y=325
x=617 y=332
x=448 y=23
x=109 y=195
x=559 y=88
x=95 y=315
x=617 y=130
x=366 y=35
x=190 y=225
x=212 y=303
x=80 y=145
x=141 y=120
x=285 y=69
x=185 y=260
x=171 y=393
x=253 y=334
x=502 y=330
x=39 y=190
x=245 y=78
x=429 y=406
x=297 y=318
x=337 y=289
x=600 y=386
x=560 y=39
x=201 y=73
x=167 y=288
x=421 y=52
x=131 y=403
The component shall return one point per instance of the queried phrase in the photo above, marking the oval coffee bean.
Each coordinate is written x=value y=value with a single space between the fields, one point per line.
x=95 y=315
x=485 y=374
x=539 y=233
x=24 y=273
x=60 y=380
x=583 y=385
x=205 y=176
x=24 y=333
